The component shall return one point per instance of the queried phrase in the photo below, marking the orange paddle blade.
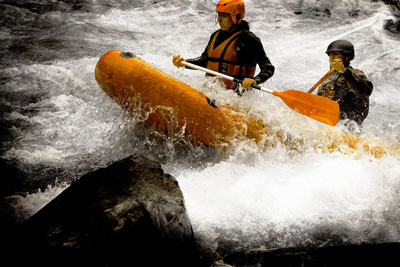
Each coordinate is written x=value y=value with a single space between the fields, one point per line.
x=316 y=107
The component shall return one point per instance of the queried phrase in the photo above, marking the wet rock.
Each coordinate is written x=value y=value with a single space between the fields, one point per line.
x=393 y=26
x=338 y=255
x=334 y=10
x=11 y=213
x=395 y=6
x=128 y=214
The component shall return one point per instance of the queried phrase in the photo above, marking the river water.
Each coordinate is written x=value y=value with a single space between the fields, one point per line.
x=57 y=124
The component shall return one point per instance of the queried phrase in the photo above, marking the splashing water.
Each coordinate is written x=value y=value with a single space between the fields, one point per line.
x=249 y=197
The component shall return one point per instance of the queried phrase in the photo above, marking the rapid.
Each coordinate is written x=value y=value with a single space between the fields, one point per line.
x=61 y=125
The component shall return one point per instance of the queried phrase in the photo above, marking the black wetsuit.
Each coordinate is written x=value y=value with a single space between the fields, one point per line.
x=351 y=90
x=249 y=49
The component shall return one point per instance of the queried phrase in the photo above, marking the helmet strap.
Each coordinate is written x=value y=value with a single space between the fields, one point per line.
x=346 y=62
x=238 y=16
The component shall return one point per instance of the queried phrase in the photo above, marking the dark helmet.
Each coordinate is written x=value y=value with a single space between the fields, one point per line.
x=342 y=46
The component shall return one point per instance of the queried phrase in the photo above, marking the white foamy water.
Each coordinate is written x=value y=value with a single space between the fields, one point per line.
x=277 y=202
x=252 y=196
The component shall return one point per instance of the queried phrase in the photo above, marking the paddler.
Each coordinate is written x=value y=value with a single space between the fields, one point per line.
x=233 y=49
x=348 y=86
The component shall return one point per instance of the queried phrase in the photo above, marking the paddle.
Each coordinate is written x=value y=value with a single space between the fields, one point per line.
x=321 y=80
x=313 y=106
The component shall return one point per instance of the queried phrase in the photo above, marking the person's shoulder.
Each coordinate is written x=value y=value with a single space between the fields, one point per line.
x=357 y=72
x=247 y=36
x=245 y=32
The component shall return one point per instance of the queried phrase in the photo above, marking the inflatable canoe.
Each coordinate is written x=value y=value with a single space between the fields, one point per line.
x=172 y=106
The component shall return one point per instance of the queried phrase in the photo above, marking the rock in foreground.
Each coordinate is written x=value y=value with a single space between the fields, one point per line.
x=385 y=254
x=128 y=214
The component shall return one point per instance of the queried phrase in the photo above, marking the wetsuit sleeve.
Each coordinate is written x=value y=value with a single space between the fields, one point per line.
x=199 y=61
x=249 y=49
x=266 y=67
x=360 y=84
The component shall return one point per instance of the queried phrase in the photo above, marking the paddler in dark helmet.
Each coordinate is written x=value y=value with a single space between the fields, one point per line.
x=233 y=49
x=347 y=86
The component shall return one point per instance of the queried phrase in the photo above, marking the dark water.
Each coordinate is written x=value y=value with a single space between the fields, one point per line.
x=36 y=34
x=56 y=124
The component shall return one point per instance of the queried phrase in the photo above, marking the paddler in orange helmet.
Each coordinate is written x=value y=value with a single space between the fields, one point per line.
x=233 y=50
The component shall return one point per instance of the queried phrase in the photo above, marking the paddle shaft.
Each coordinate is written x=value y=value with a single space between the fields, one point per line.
x=321 y=80
x=193 y=66
x=313 y=106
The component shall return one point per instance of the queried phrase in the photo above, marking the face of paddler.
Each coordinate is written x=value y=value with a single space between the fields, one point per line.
x=225 y=21
x=335 y=56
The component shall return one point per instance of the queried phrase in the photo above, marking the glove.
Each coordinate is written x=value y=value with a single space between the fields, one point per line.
x=177 y=61
x=337 y=64
x=248 y=82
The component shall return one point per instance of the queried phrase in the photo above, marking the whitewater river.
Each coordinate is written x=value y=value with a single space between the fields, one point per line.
x=57 y=123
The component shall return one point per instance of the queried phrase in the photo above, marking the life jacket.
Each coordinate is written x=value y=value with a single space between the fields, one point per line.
x=336 y=87
x=223 y=59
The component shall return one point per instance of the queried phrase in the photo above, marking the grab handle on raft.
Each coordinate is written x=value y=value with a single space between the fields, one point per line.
x=313 y=106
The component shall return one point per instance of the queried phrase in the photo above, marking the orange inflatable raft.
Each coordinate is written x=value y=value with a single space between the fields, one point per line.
x=172 y=106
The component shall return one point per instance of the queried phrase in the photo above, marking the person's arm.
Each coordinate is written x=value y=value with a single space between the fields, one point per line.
x=199 y=61
x=250 y=49
x=266 y=69
x=360 y=84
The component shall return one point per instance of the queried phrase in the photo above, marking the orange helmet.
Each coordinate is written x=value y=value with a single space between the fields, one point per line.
x=232 y=7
